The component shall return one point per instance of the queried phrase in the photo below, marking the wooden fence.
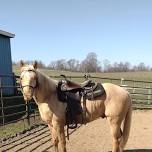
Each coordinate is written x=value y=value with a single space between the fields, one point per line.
x=13 y=108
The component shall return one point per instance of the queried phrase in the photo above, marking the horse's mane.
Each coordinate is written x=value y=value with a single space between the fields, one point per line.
x=46 y=82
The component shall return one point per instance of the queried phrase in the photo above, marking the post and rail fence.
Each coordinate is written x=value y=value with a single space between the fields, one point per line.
x=14 y=109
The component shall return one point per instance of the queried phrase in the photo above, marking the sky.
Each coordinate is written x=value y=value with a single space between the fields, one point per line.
x=48 y=30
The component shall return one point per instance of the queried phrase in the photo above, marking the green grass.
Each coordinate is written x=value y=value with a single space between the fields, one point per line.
x=12 y=129
x=20 y=126
x=141 y=75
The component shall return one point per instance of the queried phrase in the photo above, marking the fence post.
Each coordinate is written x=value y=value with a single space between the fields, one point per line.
x=2 y=103
x=133 y=87
x=121 y=83
x=149 y=95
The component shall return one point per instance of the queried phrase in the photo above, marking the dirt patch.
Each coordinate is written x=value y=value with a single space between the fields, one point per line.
x=94 y=137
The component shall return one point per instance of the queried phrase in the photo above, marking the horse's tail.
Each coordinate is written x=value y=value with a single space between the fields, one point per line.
x=126 y=126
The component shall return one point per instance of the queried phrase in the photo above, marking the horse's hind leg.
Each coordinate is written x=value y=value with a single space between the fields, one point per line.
x=54 y=138
x=116 y=132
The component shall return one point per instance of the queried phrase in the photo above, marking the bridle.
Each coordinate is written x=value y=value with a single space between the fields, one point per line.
x=33 y=87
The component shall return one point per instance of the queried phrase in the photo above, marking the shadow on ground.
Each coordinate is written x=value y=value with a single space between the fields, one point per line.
x=139 y=150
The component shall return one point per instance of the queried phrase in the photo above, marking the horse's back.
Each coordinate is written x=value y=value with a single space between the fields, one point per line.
x=112 y=89
x=117 y=100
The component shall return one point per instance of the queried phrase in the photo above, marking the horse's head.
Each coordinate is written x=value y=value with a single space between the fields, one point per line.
x=28 y=80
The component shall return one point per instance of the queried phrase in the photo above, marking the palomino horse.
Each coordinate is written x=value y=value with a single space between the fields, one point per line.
x=115 y=105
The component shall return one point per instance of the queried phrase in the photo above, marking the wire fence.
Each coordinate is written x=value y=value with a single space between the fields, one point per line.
x=13 y=108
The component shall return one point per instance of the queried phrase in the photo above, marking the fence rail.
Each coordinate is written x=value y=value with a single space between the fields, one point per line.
x=141 y=93
x=13 y=108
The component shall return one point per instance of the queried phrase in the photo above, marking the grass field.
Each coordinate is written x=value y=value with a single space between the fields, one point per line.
x=12 y=129
x=141 y=75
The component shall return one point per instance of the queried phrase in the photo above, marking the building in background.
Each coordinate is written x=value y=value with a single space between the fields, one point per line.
x=6 y=74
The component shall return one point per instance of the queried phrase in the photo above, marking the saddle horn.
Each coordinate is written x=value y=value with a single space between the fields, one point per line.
x=62 y=75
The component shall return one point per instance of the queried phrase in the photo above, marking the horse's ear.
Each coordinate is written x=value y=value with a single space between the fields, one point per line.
x=35 y=65
x=21 y=63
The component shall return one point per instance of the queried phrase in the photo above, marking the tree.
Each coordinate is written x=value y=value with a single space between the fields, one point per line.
x=127 y=66
x=91 y=63
x=41 y=64
x=142 y=67
x=73 y=65
x=61 y=64
x=52 y=65
x=106 y=65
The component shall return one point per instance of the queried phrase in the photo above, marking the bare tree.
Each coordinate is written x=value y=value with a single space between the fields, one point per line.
x=52 y=65
x=73 y=64
x=127 y=66
x=143 y=67
x=106 y=65
x=91 y=63
x=41 y=64
x=61 y=64
x=116 y=67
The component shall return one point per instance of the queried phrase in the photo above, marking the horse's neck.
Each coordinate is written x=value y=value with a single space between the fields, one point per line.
x=46 y=89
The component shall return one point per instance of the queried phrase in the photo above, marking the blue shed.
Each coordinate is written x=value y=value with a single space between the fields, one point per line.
x=6 y=74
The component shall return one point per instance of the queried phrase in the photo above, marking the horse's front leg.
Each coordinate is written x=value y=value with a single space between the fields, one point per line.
x=54 y=137
x=59 y=128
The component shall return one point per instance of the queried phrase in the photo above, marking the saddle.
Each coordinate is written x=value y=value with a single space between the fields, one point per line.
x=72 y=92
x=71 y=86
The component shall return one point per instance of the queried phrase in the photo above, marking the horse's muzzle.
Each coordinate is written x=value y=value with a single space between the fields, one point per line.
x=27 y=97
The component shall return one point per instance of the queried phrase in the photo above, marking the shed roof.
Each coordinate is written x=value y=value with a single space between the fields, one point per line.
x=10 y=35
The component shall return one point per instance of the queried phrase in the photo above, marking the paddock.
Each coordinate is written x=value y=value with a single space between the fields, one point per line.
x=94 y=137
